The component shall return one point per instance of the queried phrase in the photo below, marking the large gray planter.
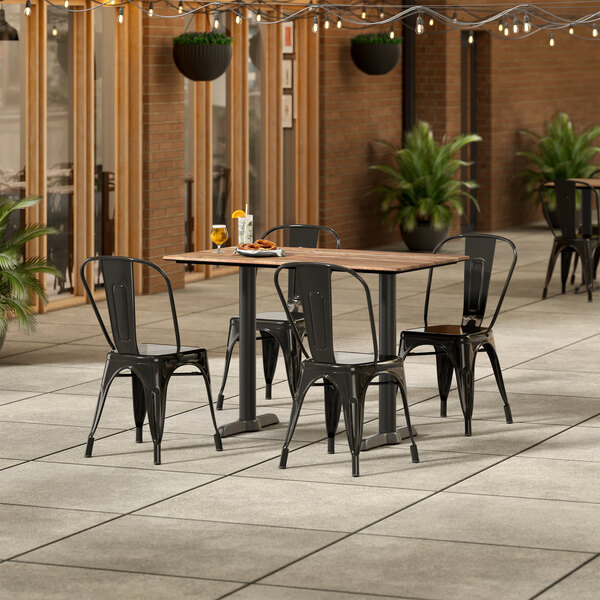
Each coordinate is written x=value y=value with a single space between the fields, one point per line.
x=424 y=238
x=202 y=62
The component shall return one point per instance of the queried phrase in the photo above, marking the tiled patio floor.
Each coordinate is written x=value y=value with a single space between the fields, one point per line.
x=511 y=512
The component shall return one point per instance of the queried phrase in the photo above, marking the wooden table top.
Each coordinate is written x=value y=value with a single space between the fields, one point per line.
x=365 y=261
x=595 y=183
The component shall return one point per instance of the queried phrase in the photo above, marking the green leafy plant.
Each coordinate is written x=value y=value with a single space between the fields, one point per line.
x=203 y=37
x=423 y=187
x=375 y=38
x=18 y=276
x=560 y=153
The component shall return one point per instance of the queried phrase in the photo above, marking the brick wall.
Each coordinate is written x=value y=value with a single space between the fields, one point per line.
x=163 y=150
x=355 y=110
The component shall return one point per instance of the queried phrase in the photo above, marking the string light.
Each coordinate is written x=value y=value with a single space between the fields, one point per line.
x=27 y=10
x=54 y=31
x=339 y=23
x=505 y=29
x=363 y=14
x=151 y=9
x=454 y=18
x=515 y=25
x=471 y=38
x=526 y=24
x=551 y=42
x=381 y=14
x=571 y=30
x=258 y=16
x=392 y=33
x=431 y=22
x=420 y=28
x=120 y=17
x=66 y=3
x=315 y=25
x=500 y=26
x=216 y=23
x=180 y=7
x=326 y=21
x=595 y=31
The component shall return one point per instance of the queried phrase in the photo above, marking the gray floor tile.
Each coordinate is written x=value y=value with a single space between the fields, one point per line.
x=44 y=378
x=507 y=521
x=60 y=355
x=32 y=440
x=8 y=396
x=583 y=584
x=185 y=548
x=91 y=488
x=24 y=581
x=365 y=564
x=577 y=443
x=550 y=479
x=23 y=528
x=287 y=503
x=275 y=592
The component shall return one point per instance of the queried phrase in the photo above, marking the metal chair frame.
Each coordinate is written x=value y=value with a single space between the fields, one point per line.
x=456 y=346
x=274 y=328
x=151 y=365
x=345 y=382
x=578 y=234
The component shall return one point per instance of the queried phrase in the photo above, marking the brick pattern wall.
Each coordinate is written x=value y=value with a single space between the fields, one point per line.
x=163 y=150
x=355 y=109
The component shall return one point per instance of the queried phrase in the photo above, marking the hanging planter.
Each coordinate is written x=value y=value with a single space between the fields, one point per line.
x=375 y=53
x=202 y=56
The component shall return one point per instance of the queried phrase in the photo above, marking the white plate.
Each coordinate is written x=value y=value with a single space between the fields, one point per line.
x=275 y=252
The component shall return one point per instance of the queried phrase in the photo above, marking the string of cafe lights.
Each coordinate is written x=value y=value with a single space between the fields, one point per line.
x=509 y=22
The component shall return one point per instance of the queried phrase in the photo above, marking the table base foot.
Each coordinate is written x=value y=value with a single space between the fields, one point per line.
x=248 y=426
x=386 y=438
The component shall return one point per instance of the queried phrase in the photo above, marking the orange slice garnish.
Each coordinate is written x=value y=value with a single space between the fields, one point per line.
x=237 y=214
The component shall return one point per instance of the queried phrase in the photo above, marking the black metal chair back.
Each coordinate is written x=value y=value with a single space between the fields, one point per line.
x=481 y=249
x=313 y=283
x=577 y=207
x=119 y=285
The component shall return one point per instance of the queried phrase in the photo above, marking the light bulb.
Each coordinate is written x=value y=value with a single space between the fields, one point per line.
x=526 y=24
x=363 y=14
x=551 y=42
x=151 y=9
x=315 y=25
x=595 y=31
x=381 y=14
x=66 y=3
x=505 y=30
x=216 y=23
x=327 y=21
x=420 y=28
x=500 y=26
x=571 y=31
x=238 y=19
x=180 y=7
x=120 y=17
x=339 y=23
x=431 y=22
x=454 y=18
x=392 y=33
x=471 y=38
x=54 y=31
x=515 y=25
x=258 y=16
x=27 y=10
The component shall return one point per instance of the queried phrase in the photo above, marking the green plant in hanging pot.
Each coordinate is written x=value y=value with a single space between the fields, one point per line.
x=423 y=193
x=559 y=153
x=375 y=53
x=202 y=55
x=19 y=283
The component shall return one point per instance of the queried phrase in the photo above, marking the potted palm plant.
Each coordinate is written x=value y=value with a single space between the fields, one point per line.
x=375 y=53
x=423 y=193
x=202 y=56
x=559 y=153
x=19 y=283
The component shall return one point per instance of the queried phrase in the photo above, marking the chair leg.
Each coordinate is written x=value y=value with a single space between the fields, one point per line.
x=270 y=350
x=565 y=263
x=574 y=268
x=232 y=338
x=414 y=453
x=296 y=406
x=444 y=375
x=465 y=378
x=107 y=379
x=156 y=419
x=551 y=262
x=333 y=407
x=217 y=435
x=353 y=415
x=493 y=356
x=139 y=407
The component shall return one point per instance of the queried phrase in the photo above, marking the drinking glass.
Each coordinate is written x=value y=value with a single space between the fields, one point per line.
x=219 y=235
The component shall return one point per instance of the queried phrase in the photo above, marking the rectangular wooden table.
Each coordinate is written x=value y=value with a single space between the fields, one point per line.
x=386 y=264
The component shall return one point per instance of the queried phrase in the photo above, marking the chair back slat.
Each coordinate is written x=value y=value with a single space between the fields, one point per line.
x=566 y=206
x=119 y=286
x=478 y=272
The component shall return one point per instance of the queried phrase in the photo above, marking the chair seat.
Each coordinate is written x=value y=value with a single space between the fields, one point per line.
x=164 y=349
x=274 y=316
x=444 y=330
x=353 y=358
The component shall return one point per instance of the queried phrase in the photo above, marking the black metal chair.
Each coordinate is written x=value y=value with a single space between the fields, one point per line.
x=578 y=211
x=274 y=328
x=456 y=346
x=151 y=365
x=346 y=375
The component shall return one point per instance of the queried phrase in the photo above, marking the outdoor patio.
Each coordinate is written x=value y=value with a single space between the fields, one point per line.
x=511 y=512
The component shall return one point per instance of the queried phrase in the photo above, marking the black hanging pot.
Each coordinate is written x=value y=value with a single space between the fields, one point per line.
x=202 y=61
x=373 y=57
